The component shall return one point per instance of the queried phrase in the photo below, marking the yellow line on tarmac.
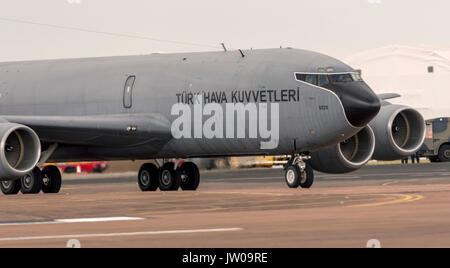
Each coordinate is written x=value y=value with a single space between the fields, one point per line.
x=251 y=193
x=400 y=198
x=388 y=183
x=69 y=188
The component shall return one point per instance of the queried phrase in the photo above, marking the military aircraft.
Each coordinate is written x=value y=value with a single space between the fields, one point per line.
x=194 y=105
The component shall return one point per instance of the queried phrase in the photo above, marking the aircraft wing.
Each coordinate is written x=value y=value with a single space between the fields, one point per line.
x=98 y=130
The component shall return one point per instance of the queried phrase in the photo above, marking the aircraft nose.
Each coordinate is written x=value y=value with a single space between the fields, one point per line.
x=361 y=104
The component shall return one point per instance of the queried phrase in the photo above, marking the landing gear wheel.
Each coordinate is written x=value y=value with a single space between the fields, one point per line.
x=148 y=178
x=51 y=180
x=292 y=176
x=307 y=177
x=444 y=153
x=10 y=187
x=169 y=178
x=190 y=176
x=32 y=182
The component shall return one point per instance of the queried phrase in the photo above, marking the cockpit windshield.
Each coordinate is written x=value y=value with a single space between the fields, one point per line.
x=341 y=78
x=356 y=77
x=322 y=80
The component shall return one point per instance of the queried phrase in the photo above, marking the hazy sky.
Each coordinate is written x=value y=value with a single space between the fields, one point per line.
x=336 y=27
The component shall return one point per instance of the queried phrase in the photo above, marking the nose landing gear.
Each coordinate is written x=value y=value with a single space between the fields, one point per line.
x=298 y=173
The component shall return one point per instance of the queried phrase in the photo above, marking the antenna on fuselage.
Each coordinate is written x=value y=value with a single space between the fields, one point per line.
x=242 y=53
x=224 y=47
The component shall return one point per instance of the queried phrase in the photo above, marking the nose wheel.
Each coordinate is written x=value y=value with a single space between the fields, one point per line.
x=298 y=173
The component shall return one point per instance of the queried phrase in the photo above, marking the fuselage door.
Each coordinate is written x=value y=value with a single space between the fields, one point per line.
x=128 y=92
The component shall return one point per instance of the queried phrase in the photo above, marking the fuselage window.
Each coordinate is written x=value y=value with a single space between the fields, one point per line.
x=128 y=92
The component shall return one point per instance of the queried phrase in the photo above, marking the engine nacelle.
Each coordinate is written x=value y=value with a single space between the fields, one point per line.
x=347 y=156
x=399 y=132
x=20 y=150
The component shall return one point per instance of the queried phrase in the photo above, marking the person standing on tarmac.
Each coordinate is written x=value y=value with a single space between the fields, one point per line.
x=415 y=158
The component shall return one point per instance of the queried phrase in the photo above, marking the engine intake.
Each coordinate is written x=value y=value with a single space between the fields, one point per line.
x=399 y=132
x=20 y=150
x=347 y=156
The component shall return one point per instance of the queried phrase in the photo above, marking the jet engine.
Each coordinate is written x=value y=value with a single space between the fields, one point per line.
x=347 y=156
x=399 y=132
x=20 y=150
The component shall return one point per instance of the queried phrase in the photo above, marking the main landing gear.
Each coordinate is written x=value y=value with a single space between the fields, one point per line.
x=298 y=173
x=169 y=177
x=47 y=180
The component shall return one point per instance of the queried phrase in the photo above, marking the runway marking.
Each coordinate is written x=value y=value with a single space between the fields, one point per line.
x=83 y=220
x=389 y=183
x=406 y=198
x=241 y=179
x=270 y=204
x=338 y=177
x=120 y=234
x=90 y=220
x=249 y=193
x=394 y=182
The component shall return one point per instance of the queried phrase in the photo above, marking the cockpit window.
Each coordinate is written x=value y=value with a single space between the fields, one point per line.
x=311 y=79
x=356 y=77
x=342 y=78
x=300 y=77
x=322 y=80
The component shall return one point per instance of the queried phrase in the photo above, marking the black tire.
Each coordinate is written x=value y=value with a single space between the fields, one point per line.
x=190 y=176
x=444 y=153
x=307 y=178
x=169 y=178
x=148 y=178
x=32 y=182
x=434 y=159
x=10 y=187
x=292 y=176
x=51 y=180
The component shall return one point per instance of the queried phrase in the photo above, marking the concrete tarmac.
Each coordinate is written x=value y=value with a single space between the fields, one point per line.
x=400 y=206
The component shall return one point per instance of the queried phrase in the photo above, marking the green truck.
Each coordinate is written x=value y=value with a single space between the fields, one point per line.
x=437 y=142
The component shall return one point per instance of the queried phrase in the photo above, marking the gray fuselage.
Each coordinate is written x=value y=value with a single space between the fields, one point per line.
x=310 y=117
